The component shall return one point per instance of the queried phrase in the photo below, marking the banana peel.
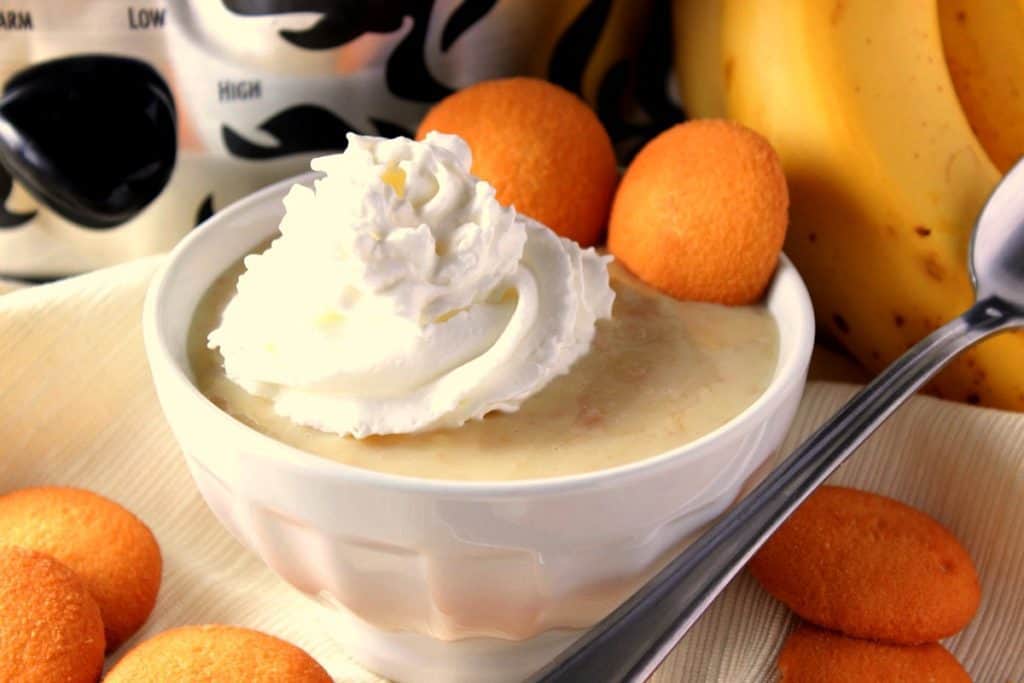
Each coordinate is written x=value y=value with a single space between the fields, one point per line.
x=886 y=176
x=984 y=47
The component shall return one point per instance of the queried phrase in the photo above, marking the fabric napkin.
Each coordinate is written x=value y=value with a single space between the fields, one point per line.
x=77 y=408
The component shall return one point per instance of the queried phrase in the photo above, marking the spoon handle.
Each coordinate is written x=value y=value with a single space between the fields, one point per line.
x=630 y=642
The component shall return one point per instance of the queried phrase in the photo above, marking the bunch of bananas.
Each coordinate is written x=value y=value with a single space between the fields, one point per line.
x=894 y=120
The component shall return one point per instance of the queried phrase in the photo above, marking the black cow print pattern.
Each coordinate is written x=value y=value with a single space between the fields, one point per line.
x=623 y=87
x=345 y=20
x=463 y=18
x=342 y=21
x=303 y=128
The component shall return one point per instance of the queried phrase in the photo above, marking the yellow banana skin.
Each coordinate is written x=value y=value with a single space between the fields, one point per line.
x=697 y=30
x=886 y=177
x=984 y=46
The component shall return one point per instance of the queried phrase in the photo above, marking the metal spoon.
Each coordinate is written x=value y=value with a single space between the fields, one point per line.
x=93 y=137
x=629 y=644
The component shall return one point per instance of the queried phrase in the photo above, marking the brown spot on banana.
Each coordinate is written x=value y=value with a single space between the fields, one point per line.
x=837 y=11
x=933 y=268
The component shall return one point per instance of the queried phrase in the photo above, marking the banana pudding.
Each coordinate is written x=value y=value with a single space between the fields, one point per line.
x=406 y=322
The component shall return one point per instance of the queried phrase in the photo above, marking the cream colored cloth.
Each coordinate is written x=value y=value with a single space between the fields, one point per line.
x=77 y=407
x=9 y=285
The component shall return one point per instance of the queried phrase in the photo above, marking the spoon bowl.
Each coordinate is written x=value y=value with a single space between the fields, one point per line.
x=997 y=246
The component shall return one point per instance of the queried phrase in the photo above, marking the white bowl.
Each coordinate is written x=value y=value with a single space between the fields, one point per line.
x=448 y=580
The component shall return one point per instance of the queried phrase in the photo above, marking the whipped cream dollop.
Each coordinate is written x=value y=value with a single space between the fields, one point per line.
x=401 y=296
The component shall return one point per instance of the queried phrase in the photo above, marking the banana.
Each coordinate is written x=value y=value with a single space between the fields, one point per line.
x=984 y=46
x=697 y=32
x=886 y=177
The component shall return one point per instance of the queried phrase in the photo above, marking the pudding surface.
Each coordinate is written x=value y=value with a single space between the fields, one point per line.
x=660 y=373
